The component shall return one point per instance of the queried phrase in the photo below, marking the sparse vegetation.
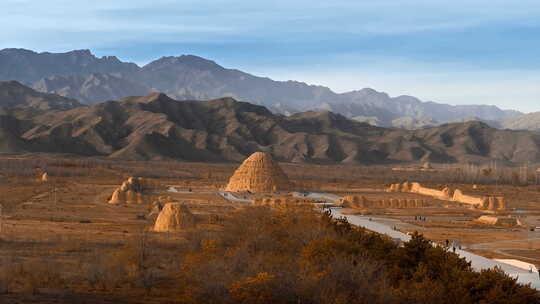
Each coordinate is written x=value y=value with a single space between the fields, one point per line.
x=62 y=241
x=266 y=256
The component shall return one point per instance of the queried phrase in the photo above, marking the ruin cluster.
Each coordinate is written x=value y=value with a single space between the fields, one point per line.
x=280 y=202
x=360 y=202
x=486 y=202
x=130 y=192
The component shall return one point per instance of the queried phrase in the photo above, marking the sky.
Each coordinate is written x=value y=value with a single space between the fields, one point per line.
x=456 y=52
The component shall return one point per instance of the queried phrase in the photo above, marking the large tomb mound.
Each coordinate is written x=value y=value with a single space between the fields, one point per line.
x=259 y=173
x=174 y=217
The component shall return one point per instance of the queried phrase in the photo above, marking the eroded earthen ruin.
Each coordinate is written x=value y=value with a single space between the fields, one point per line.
x=360 y=202
x=498 y=221
x=130 y=192
x=491 y=203
x=157 y=205
x=174 y=217
x=281 y=202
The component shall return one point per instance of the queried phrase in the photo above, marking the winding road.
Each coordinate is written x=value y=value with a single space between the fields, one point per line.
x=477 y=262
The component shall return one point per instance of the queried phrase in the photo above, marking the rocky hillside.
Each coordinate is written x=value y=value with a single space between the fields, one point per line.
x=529 y=121
x=15 y=96
x=18 y=105
x=157 y=127
x=81 y=75
x=92 y=88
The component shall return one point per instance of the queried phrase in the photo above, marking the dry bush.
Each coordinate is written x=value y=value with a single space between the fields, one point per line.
x=106 y=271
x=42 y=274
x=133 y=265
x=293 y=255
x=30 y=276
x=296 y=256
x=8 y=271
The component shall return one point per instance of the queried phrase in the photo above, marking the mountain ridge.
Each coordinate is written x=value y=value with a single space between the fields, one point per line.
x=193 y=77
x=157 y=127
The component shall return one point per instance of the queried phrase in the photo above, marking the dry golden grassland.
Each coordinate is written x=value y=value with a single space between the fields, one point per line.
x=63 y=233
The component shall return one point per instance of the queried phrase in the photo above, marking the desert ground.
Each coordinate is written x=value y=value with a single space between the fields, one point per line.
x=66 y=224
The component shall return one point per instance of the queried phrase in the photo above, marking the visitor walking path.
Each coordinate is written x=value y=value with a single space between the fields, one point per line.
x=229 y=196
x=319 y=196
x=477 y=262
x=226 y=195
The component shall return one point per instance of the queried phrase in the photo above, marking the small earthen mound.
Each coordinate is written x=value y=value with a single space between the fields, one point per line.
x=259 y=174
x=174 y=217
x=394 y=188
x=498 y=221
x=354 y=201
x=157 y=205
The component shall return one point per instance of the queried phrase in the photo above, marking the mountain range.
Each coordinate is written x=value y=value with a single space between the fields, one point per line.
x=82 y=76
x=529 y=121
x=157 y=127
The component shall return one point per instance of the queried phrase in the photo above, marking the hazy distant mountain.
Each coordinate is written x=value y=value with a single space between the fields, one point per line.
x=80 y=75
x=91 y=88
x=157 y=127
x=529 y=121
x=28 y=66
x=413 y=107
x=204 y=79
x=411 y=123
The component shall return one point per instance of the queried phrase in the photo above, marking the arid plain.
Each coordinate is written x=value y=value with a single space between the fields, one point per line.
x=55 y=228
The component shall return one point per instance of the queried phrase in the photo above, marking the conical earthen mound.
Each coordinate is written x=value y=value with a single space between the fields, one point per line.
x=259 y=173
x=174 y=217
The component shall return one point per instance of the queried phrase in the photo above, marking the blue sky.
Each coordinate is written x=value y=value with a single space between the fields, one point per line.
x=457 y=52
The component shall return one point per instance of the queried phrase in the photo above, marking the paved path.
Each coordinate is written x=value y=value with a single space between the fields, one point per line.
x=226 y=195
x=173 y=189
x=229 y=196
x=321 y=196
x=477 y=262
